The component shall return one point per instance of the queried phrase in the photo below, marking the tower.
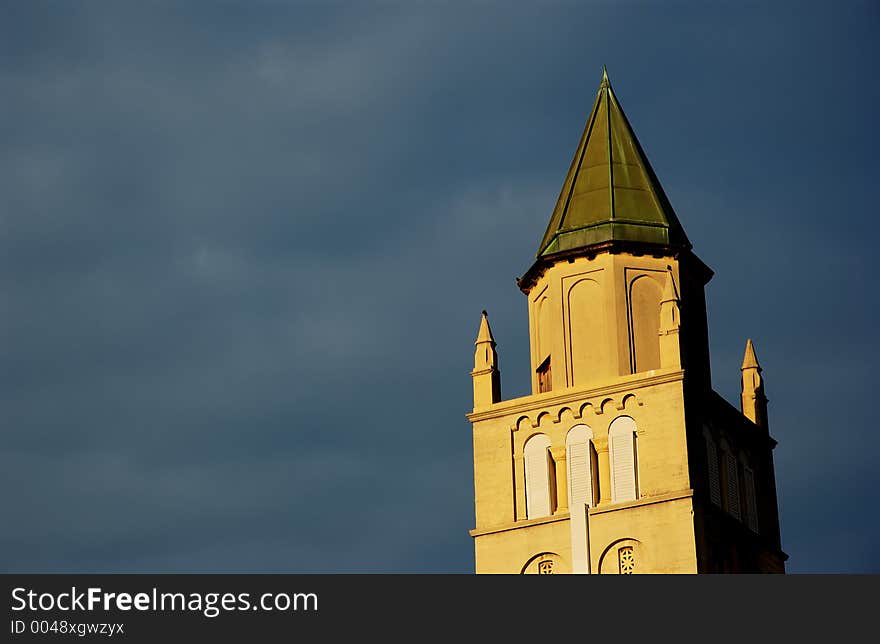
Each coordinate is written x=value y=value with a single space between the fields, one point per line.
x=622 y=459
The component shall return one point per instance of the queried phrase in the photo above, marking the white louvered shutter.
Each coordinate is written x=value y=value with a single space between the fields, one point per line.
x=623 y=460
x=537 y=473
x=751 y=499
x=577 y=458
x=714 y=474
x=732 y=484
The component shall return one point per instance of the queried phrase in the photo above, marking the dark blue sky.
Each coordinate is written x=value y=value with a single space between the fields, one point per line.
x=244 y=244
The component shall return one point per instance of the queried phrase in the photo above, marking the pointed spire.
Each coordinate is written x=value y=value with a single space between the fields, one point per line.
x=754 y=402
x=486 y=377
x=485 y=332
x=611 y=192
x=750 y=360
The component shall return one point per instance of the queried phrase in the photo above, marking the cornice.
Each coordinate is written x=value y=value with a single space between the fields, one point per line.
x=599 y=509
x=625 y=384
x=562 y=516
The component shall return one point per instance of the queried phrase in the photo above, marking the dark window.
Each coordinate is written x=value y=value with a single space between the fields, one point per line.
x=544 y=376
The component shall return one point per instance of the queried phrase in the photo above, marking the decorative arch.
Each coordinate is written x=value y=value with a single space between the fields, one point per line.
x=562 y=411
x=605 y=404
x=645 y=294
x=587 y=332
x=544 y=563
x=584 y=408
x=629 y=401
x=623 y=459
x=541 y=416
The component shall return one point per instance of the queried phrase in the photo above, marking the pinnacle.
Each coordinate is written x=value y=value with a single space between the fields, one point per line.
x=485 y=333
x=750 y=360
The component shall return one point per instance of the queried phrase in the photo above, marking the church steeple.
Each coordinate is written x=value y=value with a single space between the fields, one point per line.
x=611 y=193
x=622 y=458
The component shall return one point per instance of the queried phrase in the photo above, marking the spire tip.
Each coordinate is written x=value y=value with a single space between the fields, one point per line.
x=750 y=360
x=485 y=333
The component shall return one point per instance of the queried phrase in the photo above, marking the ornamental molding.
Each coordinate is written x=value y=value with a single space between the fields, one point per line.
x=584 y=411
x=581 y=402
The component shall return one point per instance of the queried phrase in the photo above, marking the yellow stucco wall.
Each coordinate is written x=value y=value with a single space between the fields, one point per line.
x=505 y=539
x=581 y=315
x=586 y=330
x=610 y=326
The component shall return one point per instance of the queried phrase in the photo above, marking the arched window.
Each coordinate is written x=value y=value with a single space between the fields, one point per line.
x=712 y=463
x=624 y=465
x=579 y=462
x=731 y=480
x=539 y=470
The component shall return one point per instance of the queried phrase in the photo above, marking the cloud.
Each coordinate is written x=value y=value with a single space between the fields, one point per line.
x=243 y=252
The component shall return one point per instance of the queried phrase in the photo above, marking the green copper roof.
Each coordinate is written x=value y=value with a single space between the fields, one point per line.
x=611 y=192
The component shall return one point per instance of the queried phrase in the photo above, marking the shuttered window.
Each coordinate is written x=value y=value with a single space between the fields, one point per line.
x=622 y=452
x=712 y=463
x=732 y=484
x=536 y=457
x=579 y=461
x=751 y=499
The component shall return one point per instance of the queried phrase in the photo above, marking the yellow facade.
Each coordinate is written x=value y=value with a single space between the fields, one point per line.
x=622 y=459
